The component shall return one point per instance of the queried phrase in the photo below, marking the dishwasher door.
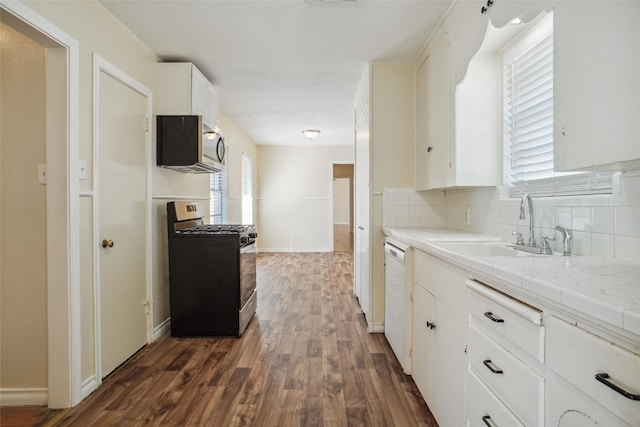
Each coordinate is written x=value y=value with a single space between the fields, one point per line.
x=394 y=307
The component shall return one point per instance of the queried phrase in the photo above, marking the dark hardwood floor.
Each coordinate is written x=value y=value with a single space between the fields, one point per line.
x=306 y=359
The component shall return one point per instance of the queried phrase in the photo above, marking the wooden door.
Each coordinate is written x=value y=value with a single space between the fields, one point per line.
x=122 y=221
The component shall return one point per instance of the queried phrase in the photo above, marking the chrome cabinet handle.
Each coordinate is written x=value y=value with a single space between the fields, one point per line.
x=489 y=315
x=488 y=421
x=604 y=379
x=489 y=366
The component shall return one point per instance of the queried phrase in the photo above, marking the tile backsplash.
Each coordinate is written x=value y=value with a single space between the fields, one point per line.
x=602 y=225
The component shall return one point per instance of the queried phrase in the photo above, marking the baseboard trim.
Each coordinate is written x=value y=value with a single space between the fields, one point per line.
x=376 y=328
x=24 y=396
x=89 y=386
x=160 y=330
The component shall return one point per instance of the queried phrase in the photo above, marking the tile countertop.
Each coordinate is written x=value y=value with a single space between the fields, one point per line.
x=603 y=288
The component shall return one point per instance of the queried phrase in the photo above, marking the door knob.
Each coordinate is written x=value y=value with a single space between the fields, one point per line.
x=107 y=243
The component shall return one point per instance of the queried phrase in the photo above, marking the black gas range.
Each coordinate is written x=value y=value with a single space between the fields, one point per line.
x=212 y=274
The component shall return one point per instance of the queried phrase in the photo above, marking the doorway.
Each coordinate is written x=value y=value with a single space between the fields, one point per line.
x=54 y=374
x=343 y=204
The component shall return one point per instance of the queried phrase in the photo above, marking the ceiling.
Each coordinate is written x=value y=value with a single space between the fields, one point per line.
x=286 y=65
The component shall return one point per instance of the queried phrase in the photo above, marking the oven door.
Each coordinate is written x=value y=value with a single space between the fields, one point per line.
x=247 y=272
x=248 y=292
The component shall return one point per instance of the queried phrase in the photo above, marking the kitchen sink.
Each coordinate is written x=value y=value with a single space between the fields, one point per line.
x=482 y=248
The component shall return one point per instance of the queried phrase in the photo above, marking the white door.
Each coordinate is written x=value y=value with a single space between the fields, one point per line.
x=121 y=122
x=362 y=285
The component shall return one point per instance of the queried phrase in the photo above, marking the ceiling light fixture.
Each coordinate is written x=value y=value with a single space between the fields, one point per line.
x=311 y=133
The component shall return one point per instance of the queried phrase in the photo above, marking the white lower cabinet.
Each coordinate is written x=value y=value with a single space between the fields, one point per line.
x=422 y=350
x=484 y=408
x=607 y=373
x=506 y=337
x=438 y=357
x=566 y=406
x=513 y=382
x=439 y=337
x=485 y=357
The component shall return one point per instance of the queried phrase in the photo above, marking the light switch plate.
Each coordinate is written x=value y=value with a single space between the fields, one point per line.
x=83 y=169
x=42 y=173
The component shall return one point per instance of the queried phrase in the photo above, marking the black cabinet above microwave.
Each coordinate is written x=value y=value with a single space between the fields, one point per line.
x=186 y=145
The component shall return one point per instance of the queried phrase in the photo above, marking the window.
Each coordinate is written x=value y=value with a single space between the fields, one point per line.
x=527 y=65
x=216 y=198
x=247 y=190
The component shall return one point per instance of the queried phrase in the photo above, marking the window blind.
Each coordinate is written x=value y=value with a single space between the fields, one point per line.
x=247 y=190
x=528 y=109
x=216 y=198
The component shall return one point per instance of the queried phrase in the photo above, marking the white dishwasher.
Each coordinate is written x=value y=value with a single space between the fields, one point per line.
x=395 y=307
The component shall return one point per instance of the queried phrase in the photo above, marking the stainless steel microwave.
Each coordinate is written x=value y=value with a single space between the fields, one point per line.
x=185 y=144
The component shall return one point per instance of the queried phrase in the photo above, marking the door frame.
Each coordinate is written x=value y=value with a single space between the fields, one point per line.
x=62 y=74
x=351 y=196
x=100 y=65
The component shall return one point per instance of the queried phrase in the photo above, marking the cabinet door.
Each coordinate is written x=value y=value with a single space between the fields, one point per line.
x=213 y=106
x=422 y=127
x=438 y=110
x=447 y=402
x=596 y=84
x=470 y=27
x=423 y=348
x=200 y=95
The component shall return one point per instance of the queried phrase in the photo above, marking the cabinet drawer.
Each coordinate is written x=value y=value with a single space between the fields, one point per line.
x=421 y=269
x=519 y=387
x=567 y=406
x=507 y=317
x=483 y=405
x=579 y=356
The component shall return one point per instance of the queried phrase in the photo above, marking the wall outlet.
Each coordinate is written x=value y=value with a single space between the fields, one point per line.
x=467 y=216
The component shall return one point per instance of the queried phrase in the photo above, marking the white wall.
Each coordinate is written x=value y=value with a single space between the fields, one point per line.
x=603 y=225
x=238 y=143
x=295 y=186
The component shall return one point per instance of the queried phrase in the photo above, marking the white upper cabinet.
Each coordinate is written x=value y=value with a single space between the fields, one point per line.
x=469 y=28
x=433 y=114
x=456 y=116
x=183 y=89
x=597 y=85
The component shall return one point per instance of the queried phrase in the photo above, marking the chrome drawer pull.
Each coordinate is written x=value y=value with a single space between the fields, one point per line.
x=488 y=421
x=490 y=315
x=489 y=365
x=604 y=379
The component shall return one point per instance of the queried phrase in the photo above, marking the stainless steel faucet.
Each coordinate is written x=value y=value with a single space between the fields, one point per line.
x=567 y=238
x=526 y=199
